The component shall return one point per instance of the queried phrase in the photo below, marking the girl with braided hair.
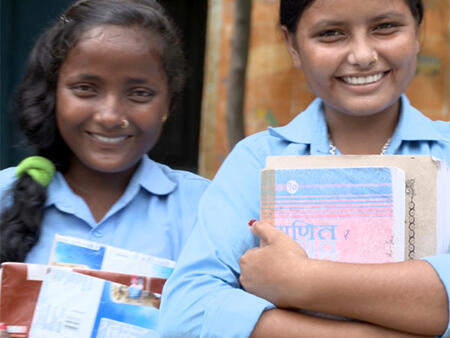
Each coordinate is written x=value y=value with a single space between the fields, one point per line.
x=99 y=85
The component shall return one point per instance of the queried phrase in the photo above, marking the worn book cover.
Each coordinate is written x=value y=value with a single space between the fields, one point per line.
x=21 y=284
x=341 y=214
x=427 y=215
x=76 y=305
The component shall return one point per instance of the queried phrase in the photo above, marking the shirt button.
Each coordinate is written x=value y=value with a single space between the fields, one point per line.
x=98 y=233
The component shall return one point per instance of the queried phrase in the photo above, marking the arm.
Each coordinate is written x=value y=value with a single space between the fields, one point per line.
x=203 y=296
x=284 y=323
x=406 y=296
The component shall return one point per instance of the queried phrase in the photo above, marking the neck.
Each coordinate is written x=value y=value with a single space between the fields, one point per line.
x=360 y=135
x=93 y=182
x=98 y=189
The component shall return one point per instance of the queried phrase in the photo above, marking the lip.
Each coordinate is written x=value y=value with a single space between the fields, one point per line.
x=108 y=139
x=364 y=82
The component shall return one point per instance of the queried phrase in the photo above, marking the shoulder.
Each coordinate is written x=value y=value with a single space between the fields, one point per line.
x=414 y=125
x=305 y=129
x=7 y=178
x=184 y=179
x=442 y=127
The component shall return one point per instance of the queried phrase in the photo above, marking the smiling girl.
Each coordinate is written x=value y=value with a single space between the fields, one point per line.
x=358 y=57
x=99 y=85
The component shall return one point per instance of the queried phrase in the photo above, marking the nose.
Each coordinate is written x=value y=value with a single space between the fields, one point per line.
x=362 y=54
x=111 y=112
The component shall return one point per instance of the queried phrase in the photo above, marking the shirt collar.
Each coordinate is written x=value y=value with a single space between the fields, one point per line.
x=310 y=127
x=414 y=126
x=149 y=175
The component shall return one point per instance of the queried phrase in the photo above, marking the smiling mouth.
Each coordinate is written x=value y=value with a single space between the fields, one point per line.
x=111 y=140
x=363 y=80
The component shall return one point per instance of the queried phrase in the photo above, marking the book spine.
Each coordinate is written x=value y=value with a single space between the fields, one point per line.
x=267 y=213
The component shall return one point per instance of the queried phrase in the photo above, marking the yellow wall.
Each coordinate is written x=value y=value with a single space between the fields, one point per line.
x=275 y=92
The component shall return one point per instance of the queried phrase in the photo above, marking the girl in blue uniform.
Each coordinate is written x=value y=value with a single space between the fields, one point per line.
x=358 y=57
x=99 y=85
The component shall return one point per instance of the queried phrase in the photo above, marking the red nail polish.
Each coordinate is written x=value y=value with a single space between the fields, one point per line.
x=251 y=222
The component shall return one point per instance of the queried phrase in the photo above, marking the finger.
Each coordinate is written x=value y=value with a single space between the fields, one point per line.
x=266 y=232
x=244 y=257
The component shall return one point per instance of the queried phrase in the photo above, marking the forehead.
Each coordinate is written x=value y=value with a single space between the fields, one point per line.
x=355 y=8
x=121 y=38
x=115 y=52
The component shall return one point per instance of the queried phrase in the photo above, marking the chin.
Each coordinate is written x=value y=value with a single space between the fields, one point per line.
x=111 y=167
x=365 y=107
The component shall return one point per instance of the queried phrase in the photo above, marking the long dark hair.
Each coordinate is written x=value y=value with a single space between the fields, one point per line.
x=292 y=10
x=36 y=100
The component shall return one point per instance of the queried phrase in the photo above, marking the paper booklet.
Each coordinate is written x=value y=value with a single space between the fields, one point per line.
x=89 y=289
x=325 y=202
x=128 y=296
x=94 y=307
x=76 y=252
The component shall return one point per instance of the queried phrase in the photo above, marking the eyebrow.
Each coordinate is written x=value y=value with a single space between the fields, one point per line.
x=85 y=76
x=91 y=77
x=136 y=81
x=388 y=15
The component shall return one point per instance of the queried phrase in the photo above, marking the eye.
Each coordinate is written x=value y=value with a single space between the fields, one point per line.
x=386 y=28
x=141 y=95
x=83 y=90
x=330 y=35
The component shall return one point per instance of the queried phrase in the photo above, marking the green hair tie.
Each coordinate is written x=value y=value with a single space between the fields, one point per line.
x=39 y=168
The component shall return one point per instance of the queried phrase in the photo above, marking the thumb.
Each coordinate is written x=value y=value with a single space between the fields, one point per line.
x=266 y=232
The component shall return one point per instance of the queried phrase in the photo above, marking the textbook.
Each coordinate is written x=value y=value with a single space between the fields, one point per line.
x=426 y=224
x=21 y=286
x=342 y=214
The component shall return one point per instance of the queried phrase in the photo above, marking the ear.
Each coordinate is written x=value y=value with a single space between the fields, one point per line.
x=418 y=38
x=291 y=44
x=417 y=46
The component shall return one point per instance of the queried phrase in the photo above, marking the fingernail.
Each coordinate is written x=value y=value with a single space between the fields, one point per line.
x=251 y=222
x=2 y=327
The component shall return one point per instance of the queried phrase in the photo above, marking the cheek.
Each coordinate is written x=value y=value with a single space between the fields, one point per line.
x=320 y=63
x=62 y=108
x=403 y=52
x=153 y=131
x=149 y=125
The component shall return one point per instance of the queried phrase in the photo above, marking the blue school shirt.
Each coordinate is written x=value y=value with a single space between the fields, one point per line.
x=155 y=214
x=203 y=296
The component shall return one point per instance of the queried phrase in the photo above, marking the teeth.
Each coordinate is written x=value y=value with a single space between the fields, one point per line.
x=362 y=80
x=109 y=139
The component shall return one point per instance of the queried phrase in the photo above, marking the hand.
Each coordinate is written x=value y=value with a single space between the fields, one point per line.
x=272 y=270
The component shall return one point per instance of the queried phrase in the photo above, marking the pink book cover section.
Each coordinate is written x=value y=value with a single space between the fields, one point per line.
x=339 y=214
